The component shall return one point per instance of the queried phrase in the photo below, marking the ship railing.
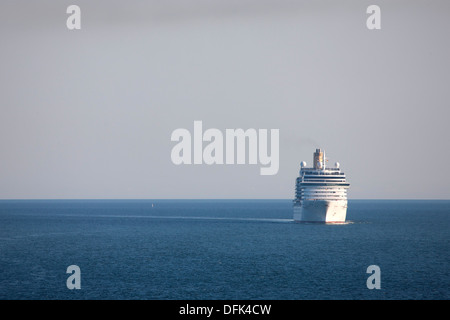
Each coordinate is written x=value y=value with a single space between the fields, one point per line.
x=326 y=169
x=333 y=171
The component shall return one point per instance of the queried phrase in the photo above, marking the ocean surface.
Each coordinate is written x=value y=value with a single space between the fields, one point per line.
x=221 y=249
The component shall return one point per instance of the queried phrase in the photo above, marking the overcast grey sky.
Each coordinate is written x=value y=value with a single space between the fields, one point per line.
x=89 y=113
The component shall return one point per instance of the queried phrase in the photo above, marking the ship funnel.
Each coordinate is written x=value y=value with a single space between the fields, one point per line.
x=319 y=159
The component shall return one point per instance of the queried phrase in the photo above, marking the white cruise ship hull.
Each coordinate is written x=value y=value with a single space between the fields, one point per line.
x=325 y=211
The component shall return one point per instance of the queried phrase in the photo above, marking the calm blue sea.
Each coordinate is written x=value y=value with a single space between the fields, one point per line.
x=221 y=249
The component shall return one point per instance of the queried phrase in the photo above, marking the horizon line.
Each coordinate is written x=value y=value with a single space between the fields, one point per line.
x=186 y=199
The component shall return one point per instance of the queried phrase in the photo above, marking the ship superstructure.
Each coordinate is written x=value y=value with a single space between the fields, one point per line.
x=321 y=192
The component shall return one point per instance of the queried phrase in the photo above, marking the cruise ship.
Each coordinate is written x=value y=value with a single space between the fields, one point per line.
x=321 y=192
